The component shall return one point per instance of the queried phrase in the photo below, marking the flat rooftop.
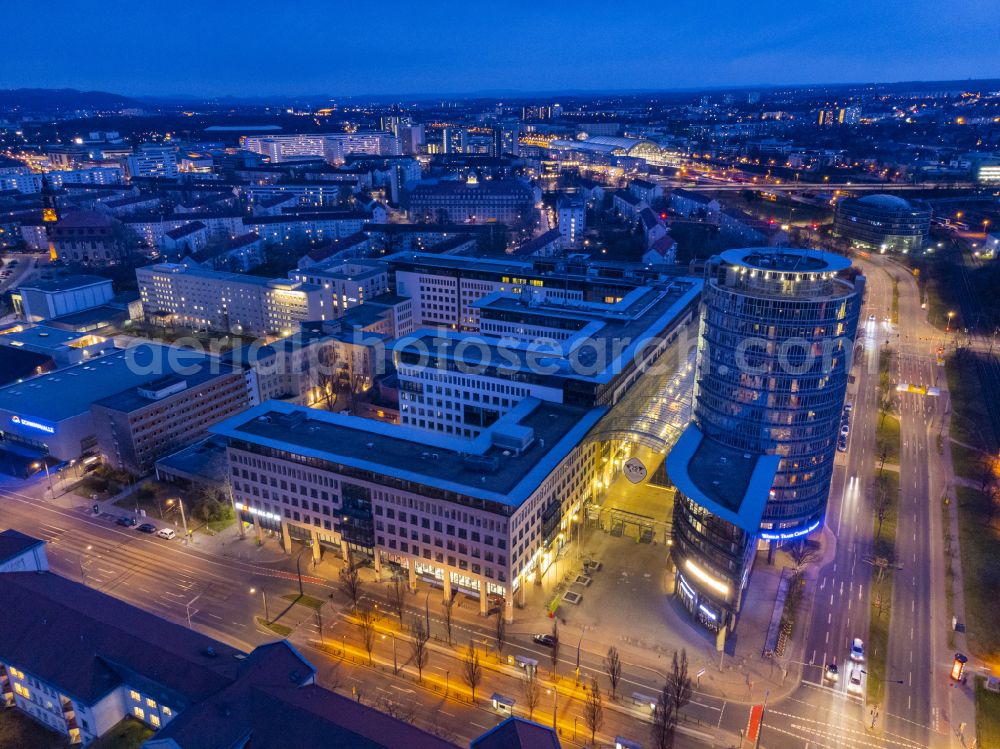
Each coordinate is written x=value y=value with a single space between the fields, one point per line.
x=477 y=468
x=240 y=278
x=731 y=484
x=65 y=283
x=607 y=338
x=787 y=260
x=130 y=399
x=69 y=392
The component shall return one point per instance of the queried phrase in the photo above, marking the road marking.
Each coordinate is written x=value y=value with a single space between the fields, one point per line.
x=828 y=637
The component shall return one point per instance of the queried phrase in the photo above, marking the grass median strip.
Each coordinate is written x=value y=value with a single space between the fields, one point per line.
x=304 y=600
x=278 y=629
x=884 y=548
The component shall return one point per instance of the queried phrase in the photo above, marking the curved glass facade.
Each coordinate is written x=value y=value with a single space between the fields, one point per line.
x=774 y=353
x=883 y=222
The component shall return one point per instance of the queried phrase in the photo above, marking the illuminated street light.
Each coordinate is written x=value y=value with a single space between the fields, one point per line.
x=263 y=595
x=180 y=504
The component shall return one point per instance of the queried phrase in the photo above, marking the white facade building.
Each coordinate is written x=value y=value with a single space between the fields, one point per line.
x=214 y=300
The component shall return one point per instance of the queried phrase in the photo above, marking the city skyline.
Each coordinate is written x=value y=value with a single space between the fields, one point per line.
x=298 y=52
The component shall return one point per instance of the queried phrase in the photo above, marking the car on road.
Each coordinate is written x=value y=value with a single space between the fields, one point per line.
x=857 y=650
x=845 y=429
x=547 y=640
x=855 y=681
x=167 y=533
x=832 y=673
x=871 y=317
x=147 y=528
x=127 y=521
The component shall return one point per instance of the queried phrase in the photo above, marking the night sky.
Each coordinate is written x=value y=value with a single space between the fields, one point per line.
x=350 y=47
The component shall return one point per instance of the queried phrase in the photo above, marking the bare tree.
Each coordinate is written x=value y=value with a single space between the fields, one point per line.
x=613 y=668
x=882 y=503
x=397 y=597
x=664 y=720
x=350 y=582
x=472 y=670
x=554 y=650
x=499 y=631
x=803 y=554
x=532 y=693
x=679 y=683
x=419 y=645
x=449 y=604
x=367 y=621
x=593 y=709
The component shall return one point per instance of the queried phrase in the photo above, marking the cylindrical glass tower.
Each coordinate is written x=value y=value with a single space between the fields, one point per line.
x=774 y=353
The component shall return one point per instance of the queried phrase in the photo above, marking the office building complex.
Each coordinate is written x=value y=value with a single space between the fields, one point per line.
x=478 y=515
x=883 y=222
x=472 y=201
x=229 y=302
x=774 y=353
x=333 y=147
x=137 y=426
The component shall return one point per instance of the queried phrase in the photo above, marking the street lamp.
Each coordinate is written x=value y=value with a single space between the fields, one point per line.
x=180 y=504
x=395 y=666
x=44 y=464
x=263 y=595
x=948 y=326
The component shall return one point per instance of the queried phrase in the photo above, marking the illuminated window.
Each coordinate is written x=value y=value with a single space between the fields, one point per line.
x=25 y=693
x=135 y=696
x=154 y=721
x=151 y=703
x=18 y=688
x=166 y=711
x=137 y=712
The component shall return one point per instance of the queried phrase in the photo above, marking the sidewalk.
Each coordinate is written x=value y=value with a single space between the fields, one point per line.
x=960 y=698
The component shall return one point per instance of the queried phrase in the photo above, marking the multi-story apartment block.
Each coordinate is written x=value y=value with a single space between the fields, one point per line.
x=231 y=302
x=152 y=160
x=349 y=283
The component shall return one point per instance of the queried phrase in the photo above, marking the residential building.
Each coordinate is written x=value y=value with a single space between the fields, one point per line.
x=230 y=302
x=99 y=660
x=88 y=238
x=348 y=283
x=152 y=160
x=572 y=220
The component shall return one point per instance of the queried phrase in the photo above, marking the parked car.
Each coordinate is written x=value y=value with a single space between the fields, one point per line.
x=848 y=407
x=147 y=528
x=547 y=640
x=126 y=521
x=845 y=429
x=167 y=533
x=842 y=444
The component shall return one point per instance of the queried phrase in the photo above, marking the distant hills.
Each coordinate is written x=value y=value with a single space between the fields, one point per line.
x=56 y=99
